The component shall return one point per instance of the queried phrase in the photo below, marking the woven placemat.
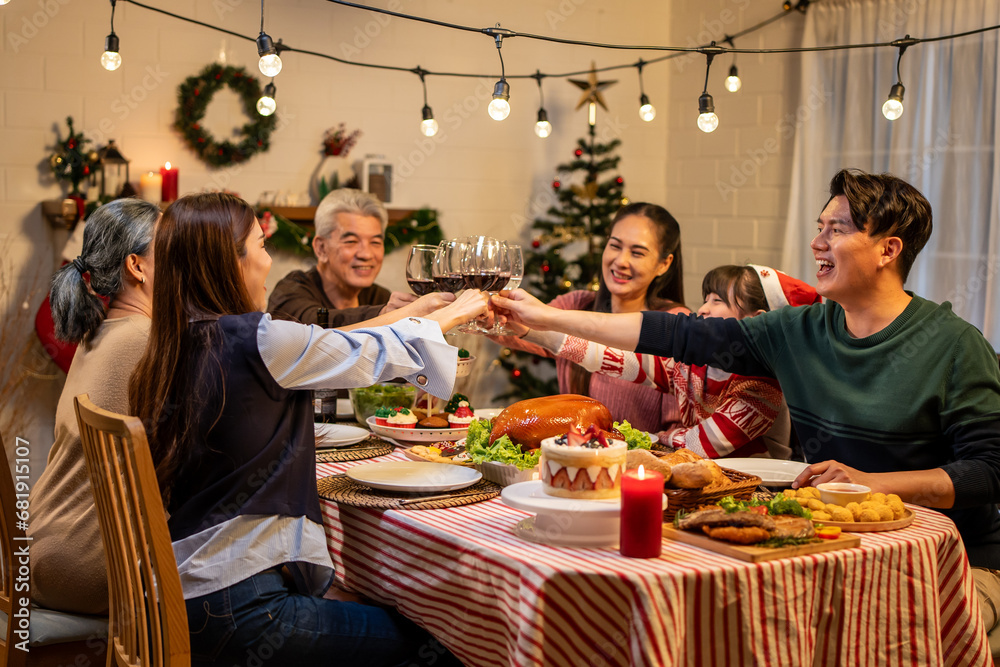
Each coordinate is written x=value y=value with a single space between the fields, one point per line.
x=348 y=492
x=368 y=448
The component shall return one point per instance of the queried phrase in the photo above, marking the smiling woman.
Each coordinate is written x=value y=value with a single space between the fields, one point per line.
x=641 y=269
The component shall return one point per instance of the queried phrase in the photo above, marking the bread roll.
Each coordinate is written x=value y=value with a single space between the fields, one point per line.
x=691 y=475
x=636 y=457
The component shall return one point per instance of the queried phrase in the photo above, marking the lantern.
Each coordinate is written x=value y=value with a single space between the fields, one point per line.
x=114 y=171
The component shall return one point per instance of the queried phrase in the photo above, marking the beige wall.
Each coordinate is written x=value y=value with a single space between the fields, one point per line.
x=482 y=176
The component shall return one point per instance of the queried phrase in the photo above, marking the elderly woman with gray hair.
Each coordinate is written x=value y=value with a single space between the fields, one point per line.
x=67 y=558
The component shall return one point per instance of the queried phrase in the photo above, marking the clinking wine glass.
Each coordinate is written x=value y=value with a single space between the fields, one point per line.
x=447 y=272
x=420 y=269
x=481 y=261
x=512 y=272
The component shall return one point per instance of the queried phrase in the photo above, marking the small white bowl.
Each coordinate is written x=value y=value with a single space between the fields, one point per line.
x=841 y=493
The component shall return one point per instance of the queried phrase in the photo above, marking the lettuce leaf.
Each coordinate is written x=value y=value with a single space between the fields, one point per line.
x=477 y=445
x=634 y=438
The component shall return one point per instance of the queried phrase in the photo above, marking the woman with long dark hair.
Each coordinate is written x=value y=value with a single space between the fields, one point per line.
x=641 y=269
x=68 y=572
x=220 y=391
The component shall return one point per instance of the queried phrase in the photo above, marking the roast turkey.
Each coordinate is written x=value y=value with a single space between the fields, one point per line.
x=530 y=421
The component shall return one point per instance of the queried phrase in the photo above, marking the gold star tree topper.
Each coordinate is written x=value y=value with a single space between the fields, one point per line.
x=592 y=88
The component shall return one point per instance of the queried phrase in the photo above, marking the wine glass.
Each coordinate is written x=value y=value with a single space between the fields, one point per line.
x=447 y=273
x=512 y=269
x=481 y=270
x=420 y=269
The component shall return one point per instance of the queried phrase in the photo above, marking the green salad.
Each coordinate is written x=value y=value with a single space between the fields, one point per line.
x=634 y=438
x=479 y=449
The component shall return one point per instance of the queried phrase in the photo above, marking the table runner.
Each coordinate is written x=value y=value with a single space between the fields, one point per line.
x=903 y=598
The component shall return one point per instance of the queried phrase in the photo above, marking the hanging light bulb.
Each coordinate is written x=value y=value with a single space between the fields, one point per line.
x=647 y=111
x=428 y=126
x=543 y=127
x=270 y=61
x=733 y=82
x=893 y=107
x=266 y=104
x=110 y=59
x=707 y=120
x=500 y=107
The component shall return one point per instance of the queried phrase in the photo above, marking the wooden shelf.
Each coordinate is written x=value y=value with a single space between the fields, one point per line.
x=304 y=215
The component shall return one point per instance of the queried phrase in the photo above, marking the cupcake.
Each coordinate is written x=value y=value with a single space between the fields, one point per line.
x=461 y=417
x=402 y=418
x=382 y=416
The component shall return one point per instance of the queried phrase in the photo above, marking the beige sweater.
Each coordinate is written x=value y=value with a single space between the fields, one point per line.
x=68 y=570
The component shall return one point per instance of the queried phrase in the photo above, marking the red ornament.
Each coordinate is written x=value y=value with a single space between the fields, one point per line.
x=516 y=373
x=220 y=151
x=619 y=180
x=218 y=76
x=197 y=92
x=536 y=243
x=196 y=126
x=578 y=152
x=86 y=170
x=556 y=185
x=545 y=268
x=71 y=143
x=201 y=140
x=260 y=143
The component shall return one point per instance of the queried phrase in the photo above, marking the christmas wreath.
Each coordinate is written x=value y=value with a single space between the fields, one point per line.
x=193 y=97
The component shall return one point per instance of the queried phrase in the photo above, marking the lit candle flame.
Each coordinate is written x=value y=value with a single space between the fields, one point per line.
x=642 y=472
x=167 y=166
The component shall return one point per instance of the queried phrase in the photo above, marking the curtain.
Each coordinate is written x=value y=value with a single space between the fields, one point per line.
x=946 y=143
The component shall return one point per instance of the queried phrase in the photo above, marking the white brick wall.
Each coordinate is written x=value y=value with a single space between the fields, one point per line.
x=479 y=174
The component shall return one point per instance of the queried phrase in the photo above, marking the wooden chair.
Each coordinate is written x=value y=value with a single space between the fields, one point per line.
x=11 y=540
x=147 y=619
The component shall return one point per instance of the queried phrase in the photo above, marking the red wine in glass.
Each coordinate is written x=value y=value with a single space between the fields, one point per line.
x=453 y=282
x=480 y=281
x=422 y=286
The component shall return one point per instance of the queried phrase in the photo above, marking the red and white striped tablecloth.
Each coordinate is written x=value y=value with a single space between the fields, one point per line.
x=904 y=597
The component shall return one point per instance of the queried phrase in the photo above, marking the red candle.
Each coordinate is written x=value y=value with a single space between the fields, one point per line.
x=169 y=191
x=642 y=513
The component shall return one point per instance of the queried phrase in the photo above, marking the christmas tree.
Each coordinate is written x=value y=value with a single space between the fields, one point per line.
x=567 y=244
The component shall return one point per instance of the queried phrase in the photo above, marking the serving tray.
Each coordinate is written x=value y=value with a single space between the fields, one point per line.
x=754 y=554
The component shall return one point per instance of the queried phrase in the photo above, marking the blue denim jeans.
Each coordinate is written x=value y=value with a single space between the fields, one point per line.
x=261 y=622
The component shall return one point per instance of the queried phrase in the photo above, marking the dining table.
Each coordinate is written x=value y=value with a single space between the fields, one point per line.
x=903 y=597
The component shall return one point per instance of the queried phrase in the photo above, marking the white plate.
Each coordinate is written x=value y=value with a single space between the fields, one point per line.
x=487 y=413
x=772 y=472
x=414 y=477
x=339 y=435
x=417 y=435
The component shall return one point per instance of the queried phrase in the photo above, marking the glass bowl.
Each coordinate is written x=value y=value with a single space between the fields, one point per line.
x=365 y=401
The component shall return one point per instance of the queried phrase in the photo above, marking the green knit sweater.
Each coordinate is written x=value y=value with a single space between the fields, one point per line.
x=922 y=393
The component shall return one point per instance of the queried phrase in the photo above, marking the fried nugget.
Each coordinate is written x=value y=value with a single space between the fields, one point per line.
x=841 y=514
x=885 y=513
x=892 y=497
x=869 y=515
x=878 y=498
x=820 y=515
x=898 y=510
x=855 y=510
x=737 y=534
x=808 y=492
x=815 y=504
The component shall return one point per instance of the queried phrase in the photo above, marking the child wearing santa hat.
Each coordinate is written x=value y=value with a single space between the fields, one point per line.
x=722 y=413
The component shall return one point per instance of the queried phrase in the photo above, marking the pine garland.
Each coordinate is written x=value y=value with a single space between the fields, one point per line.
x=193 y=97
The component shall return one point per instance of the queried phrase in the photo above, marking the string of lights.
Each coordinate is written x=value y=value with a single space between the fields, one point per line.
x=499 y=108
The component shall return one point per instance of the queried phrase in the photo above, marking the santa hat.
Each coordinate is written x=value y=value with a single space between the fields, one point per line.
x=781 y=290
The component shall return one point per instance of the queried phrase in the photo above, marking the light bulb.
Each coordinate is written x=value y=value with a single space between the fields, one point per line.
x=429 y=127
x=543 y=127
x=733 y=82
x=269 y=64
x=647 y=111
x=266 y=105
x=111 y=60
x=3 y=2
x=707 y=122
x=499 y=108
x=893 y=107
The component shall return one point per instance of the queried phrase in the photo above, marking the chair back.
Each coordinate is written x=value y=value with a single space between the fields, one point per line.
x=11 y=540
x=147 y=624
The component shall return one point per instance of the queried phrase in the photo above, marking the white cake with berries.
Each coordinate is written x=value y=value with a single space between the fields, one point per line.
x=583 y=465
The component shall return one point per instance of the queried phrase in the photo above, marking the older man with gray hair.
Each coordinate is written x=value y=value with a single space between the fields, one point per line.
x=349 y=247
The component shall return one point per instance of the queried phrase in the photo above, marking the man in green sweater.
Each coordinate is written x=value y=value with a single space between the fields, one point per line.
x=884 y=388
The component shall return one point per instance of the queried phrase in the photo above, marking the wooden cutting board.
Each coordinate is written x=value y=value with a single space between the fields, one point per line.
x=757 y=554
